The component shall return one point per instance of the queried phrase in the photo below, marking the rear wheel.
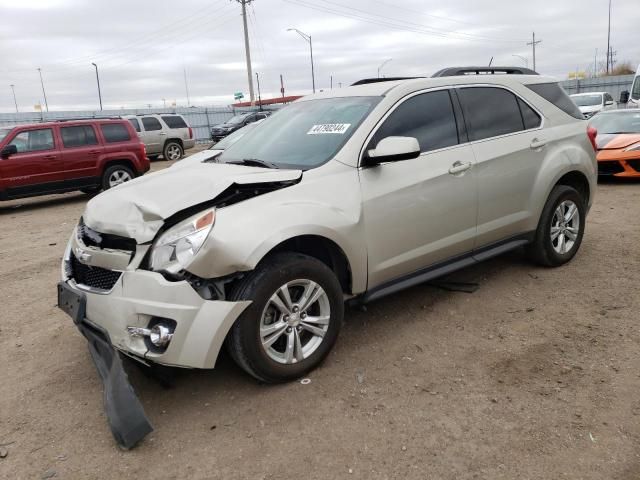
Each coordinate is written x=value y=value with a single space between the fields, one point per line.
x=561 y=228
x=173 y=151
x=293 y=321
x=115 y=175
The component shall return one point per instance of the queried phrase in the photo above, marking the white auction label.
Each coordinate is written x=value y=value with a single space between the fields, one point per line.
x=326 y=128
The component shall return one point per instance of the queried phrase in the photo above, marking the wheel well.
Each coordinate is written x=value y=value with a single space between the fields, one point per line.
x=323 y=249
x=126 y=163
x=174 y=140
x=578 y=181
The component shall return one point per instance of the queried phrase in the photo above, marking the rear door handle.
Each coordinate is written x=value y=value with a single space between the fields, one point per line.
x=94 y=152
x=49 y=157
x=537 y=143
x=459 y=167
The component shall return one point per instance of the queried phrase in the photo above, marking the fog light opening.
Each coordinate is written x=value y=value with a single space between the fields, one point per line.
x=160 y=335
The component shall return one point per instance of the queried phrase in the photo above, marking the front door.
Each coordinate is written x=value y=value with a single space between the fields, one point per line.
x=420 y=212
x=153 y=135
x=37 y=167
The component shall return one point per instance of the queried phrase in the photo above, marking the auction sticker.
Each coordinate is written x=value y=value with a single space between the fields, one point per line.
x=327 y=128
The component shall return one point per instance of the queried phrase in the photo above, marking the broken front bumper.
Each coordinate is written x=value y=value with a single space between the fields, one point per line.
x=126 y=416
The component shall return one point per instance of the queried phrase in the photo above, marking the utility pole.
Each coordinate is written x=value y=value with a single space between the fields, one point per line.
x=186 y=86
x=259 y=97
x=98 y=79
x=247 y=49
x=13 y=89
x=595 y=64
x=46 y=104
x=331 y=82
x=533 y=43
x=164 y=103
x=609 y=41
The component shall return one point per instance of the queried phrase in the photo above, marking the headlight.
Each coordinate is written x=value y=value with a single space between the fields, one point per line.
x=176 y=248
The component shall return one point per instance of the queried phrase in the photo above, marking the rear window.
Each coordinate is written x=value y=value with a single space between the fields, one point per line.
x=552 y=92
x=115 y=132
x=151 y=124
x=135 y=123
x=174 y=121
x=78 y=136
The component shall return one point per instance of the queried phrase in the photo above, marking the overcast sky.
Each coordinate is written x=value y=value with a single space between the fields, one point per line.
x=142 y=46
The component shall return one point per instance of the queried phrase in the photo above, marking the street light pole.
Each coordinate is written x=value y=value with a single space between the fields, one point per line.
x=46 y=104
x=382 y=66
x=98 y=79
x=259 y=97
x=308 y=39
x=13 y=89
x=524 y=59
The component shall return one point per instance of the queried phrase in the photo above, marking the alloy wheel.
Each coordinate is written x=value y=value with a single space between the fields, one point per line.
x=118 y=177
x=565 y=227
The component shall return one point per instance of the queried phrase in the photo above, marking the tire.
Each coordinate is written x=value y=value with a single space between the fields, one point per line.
x=546 y=250
x=115 y=175
x=299 y=273
x=172 y=151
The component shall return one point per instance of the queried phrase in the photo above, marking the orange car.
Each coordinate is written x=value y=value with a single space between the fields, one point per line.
x=618 y=142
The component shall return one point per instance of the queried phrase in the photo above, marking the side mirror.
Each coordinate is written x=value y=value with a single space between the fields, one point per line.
x=8 y=151
x=392 y=149
x=608 y=103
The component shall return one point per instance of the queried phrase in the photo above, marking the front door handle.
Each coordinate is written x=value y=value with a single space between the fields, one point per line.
x=94 y=152
x=536 y=143
x=163 y=134
x=459 y=167
x=49 y=157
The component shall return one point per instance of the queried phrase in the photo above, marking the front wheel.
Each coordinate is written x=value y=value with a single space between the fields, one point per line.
x=561 y=228
x=293 y=321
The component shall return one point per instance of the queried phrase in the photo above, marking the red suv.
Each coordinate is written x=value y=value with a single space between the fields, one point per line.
x=57 y=157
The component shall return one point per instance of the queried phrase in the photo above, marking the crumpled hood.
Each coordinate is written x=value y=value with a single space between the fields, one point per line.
x=138 y=209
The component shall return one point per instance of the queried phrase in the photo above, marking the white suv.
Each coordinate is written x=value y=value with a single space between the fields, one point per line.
x=166 y=134
x=343 y=196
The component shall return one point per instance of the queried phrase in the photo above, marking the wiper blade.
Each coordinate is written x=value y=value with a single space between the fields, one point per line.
x=253 y=162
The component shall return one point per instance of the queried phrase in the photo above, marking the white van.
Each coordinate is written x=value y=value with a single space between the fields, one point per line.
x=634 y=98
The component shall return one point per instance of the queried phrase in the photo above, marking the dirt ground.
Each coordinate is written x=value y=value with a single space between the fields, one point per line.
x=536 y=375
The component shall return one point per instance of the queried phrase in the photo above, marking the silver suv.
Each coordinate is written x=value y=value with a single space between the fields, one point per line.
x=343 y=196
x=166 y=134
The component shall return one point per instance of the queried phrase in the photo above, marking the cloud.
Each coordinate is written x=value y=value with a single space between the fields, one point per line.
x=142 y=47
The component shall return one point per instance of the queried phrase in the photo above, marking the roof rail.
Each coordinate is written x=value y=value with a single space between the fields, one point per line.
x=366 y=81
x=459 y=71
x=61 y=120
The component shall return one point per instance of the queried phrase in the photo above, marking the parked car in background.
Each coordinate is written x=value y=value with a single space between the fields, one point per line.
x=594 y=102
x=166 y=134
x=57 y=157
x=634 y=96
x=235 y=123
x=217 y=148
x=618 y=142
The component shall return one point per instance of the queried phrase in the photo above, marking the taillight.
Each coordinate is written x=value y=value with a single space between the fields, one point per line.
x=190 y=133
x=143 y=150
x=592 y=133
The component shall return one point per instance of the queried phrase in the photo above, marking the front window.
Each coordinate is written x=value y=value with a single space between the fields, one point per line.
x=619 y=122
x=303 y=135
x=33 y=140
x=587 y=100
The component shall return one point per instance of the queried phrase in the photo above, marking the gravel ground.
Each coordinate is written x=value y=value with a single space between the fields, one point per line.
x=535 y=375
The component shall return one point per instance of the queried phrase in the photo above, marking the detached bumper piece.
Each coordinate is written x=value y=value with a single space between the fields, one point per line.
x=125 y=414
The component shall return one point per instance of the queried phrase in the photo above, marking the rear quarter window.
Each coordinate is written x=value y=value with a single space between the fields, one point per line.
x=135 y=123
x=554 y=93
x=115 y=132
x=490 y=112
x=174 y=121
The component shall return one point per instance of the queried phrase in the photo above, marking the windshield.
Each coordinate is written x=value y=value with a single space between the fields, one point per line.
x=236 y=119
x=619 y=122
x=4 y=132
x=303 y=135
x=229 y=140
x=587 y=100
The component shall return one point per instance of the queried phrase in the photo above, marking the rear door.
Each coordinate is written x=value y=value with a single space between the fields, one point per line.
x=509 y=146
x=153 y=136
x=420 y=212
x=81 y=153
x=37 y=167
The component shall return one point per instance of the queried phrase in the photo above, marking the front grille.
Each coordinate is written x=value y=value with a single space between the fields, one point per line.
x=610 y=168
x=635 y=164
x=91 y=238
x=94 y=277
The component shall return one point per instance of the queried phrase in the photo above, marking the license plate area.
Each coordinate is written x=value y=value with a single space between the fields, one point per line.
x=72 y=302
